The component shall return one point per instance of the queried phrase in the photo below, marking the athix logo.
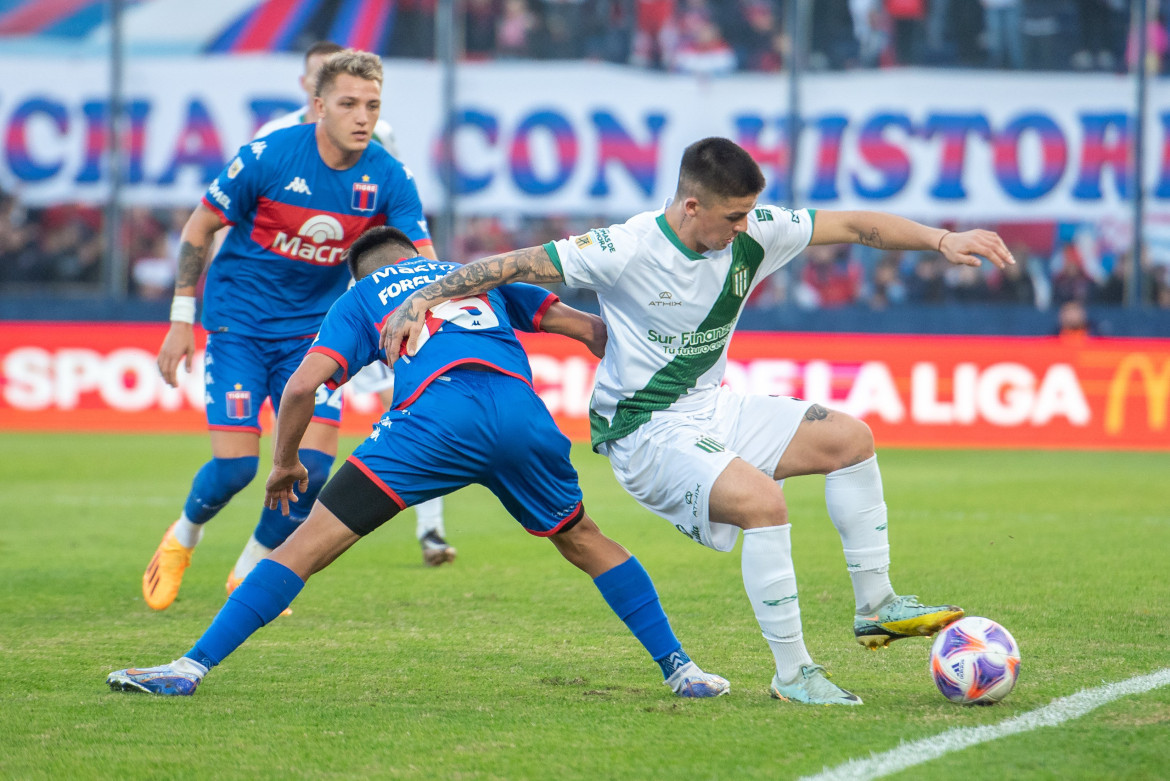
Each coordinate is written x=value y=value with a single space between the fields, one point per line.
x=258 y=148
x=316 y=232
x=665 y=298
x=298 y=185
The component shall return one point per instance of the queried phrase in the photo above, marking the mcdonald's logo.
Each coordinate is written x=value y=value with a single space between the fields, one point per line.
x=1154 y=383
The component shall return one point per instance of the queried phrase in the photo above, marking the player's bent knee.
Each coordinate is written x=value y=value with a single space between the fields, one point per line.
x=232 y=475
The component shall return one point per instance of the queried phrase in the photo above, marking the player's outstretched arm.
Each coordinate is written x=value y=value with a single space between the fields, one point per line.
x=585 y=328
x=530 y=264
x=195 y=241
x=889 y=231
x=296 y=410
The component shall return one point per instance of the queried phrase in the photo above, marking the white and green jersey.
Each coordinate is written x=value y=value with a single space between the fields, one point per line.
x=670 y=311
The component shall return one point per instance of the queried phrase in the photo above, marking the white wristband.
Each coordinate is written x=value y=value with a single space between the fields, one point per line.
x=183 y=309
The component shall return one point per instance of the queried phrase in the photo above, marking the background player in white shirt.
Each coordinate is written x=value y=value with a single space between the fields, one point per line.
x=712 y=461
x=375 y=378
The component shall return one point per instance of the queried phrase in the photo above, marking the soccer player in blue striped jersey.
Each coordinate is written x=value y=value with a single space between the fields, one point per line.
x=377 y=377
x=471 y=377
x=295 y=199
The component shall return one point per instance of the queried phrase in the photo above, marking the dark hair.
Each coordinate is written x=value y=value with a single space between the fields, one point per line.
x=322 y=47
x=374 y=239
x=720 y=168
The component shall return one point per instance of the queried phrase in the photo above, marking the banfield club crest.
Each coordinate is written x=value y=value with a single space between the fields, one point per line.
x=365 y=195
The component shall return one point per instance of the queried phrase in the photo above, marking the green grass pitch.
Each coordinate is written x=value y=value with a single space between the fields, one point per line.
x=509 y=665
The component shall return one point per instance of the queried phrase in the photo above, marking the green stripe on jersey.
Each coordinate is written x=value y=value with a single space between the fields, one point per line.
x=684 y=370
x=554 y=257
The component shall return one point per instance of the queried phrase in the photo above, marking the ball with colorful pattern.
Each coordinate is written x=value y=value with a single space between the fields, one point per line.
x=975 y=661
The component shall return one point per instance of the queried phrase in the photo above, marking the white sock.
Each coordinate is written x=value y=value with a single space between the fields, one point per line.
x=856 y=507
x=770 y=582
x=430 y=518
x=186 y=533
x=251 y=556
x=186 y=664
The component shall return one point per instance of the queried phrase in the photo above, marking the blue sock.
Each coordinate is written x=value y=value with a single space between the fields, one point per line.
x=275 y=527
x=268 y=590
x=629 y=591
x=216 y=483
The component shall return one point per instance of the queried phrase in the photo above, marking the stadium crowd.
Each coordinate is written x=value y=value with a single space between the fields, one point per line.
x=62 y=245
x=1059 y=262
x=707 y=37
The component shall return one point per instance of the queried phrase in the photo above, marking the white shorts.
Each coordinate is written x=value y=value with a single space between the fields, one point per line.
x=670 y=463
x=373 y=378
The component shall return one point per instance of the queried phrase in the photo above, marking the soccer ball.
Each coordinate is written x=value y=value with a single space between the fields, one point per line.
x=974 y=660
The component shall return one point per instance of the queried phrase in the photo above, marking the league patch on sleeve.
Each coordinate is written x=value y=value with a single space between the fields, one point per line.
x=235 y=168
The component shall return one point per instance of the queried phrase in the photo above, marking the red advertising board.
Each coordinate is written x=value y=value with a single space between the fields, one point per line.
x=914 y=391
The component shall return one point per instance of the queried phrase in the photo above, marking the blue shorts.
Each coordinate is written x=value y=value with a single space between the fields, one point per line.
x=240 y=372
x=468 y=427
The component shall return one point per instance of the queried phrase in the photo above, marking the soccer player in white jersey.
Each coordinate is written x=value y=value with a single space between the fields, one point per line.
x=375 y=378
x=671 y=285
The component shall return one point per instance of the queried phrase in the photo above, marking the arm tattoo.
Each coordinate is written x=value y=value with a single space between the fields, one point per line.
x=191 y=260
x=873 y=239
x=525 y=265
x=816 y=412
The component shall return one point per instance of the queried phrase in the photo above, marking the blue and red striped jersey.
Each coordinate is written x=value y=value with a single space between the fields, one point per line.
x=477 y=330
x=292 y=218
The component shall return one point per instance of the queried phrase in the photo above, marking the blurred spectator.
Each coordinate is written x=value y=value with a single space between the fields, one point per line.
x=871 y=29
x=413 y=32
x=939 y=49
x=966 y=284
x=888 y=289
x=925 y=284
x=1005 y=45
x=908 y=19
x=564 y=26
x=153 y=273
x=1048 y=29
x=610 y=31
x=515 y=29
x=965 y=28
x=832 y=42
x=1070 y=281
x=1157 y=42
x=654 y=33
x=16 y=235
x=1102 y=26
x=1013 y=284
x=479 y=29
x=830 y=278
x=1155 y=279
x=1073 y=322
x=702 y=50
x=759 y=44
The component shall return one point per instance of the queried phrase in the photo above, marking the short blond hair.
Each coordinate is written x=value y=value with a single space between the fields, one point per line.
x=364 y=65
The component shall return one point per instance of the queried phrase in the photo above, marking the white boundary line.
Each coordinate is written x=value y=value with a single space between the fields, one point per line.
x=1056 y=712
